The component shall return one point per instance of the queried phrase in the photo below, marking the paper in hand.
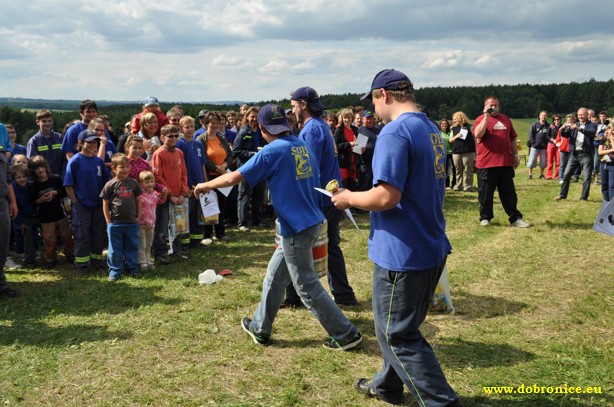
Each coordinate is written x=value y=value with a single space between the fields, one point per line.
x=347 y=211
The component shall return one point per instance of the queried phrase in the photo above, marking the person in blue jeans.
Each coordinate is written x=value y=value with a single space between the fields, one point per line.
x=121 y=205
x=408 y=243
x=288 y=165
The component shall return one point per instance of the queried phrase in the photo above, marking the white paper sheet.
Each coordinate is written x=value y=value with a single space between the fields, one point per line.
x=463 y=133
x=347 y=211
x=208 y=203
x=226 y=190
x=362 y=143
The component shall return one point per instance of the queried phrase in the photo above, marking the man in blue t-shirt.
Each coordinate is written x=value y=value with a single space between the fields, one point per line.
x=407 y=243
x=289 y=167
x=308 y=110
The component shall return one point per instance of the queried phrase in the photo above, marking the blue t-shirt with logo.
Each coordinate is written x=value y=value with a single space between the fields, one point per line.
x=320 y=138
x=410 y=156
x=289 y=166
x=195 y=158
x=87 y=176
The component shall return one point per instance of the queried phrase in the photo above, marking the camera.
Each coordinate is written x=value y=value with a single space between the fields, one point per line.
x=490 y=110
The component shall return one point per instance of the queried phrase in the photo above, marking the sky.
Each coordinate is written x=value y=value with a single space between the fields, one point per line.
x=255 y=50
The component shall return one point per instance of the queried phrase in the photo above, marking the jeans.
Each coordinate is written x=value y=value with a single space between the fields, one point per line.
x=501 y=179
x=337 y=275
x=578 y=159
x=607 y=181
x=293 y=262
x=123 y=248
x=564 y=158
x=400 y=304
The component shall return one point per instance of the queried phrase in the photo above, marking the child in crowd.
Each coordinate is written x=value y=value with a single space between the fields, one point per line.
x=48 y=192
x=17 y=148
x=121 y=205
x=134 y=151
x=25 y=225
x=195 y=159
x=48 y=143
x=149 y=202
x=170 y=170
x=19 y=159
x=86 y=174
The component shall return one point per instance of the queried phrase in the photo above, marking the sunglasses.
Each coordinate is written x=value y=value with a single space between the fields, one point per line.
x=172 y=135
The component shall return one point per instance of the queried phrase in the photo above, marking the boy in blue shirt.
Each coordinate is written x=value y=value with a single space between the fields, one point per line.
x=289 y=167
x=408 y=243
x=86 y=174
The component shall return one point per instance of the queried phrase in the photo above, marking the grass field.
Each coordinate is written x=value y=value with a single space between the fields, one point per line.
x=532 y=308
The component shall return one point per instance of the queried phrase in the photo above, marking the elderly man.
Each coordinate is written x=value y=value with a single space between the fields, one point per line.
x=581 y=148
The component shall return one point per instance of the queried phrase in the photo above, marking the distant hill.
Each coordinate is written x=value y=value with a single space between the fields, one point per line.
x=62 y=104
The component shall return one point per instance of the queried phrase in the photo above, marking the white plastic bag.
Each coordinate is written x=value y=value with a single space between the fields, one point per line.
x=442 y=301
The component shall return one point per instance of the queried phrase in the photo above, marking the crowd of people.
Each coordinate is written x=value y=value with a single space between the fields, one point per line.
x=138 y=197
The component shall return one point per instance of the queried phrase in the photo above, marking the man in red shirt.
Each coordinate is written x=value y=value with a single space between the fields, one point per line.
x=497 y=157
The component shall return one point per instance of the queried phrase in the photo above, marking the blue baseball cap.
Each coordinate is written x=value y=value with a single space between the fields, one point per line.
x=387 y=79
x=273 y=119
x=367 y=113
x=151 y=101
x=309 y=95
x=87 y=135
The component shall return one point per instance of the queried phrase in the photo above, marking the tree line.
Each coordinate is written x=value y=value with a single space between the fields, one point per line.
x=517 y=101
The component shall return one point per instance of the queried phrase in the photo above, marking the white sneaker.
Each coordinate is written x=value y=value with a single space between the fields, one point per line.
x=520 y=224
x=243 y=229
x=484 y=222
x=206 y=242
x=11 y=265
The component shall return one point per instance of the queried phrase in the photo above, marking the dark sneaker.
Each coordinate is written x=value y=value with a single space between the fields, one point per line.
x=258 y=340
x=365 y=386
x=7 y=292
x=348 y=303
x=332 y=344
x=164 y=259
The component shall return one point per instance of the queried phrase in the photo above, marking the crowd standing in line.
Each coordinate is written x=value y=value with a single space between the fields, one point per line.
x=139 y=200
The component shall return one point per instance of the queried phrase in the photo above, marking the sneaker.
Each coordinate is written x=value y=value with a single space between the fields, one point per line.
x=151 y=265
x=144 y=266
x=365 y=386
x=164 y=259
x=484 y=222
x=332 y=344
x=560 y=182
x=112 y=279
x=258 y=340
x=243 y=229
x=542 y=177
x=558 y=198
x=11 y=265
x=206 y=241
x=582 y=200
x=519 y=223
x=70 y=259
x=530 y=177
x=348 y=303
x=7 y=292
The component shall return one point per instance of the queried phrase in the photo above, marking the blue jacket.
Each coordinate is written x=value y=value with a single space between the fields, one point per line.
x=589 y=130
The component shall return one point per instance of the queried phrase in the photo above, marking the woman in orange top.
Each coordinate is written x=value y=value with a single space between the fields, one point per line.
x=219 y=160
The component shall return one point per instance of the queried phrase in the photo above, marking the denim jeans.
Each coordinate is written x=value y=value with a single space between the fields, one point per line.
x=607 y=181
x=578 y=159
x=253 y=196
x=564 y=157
x=293 y=262
x=337 y=274
x=123 y=248
x=400 y=304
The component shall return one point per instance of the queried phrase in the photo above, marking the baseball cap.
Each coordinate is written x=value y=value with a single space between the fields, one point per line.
x=387 y=79
x=151 y=101
x=367 y=113
x=202 y=113
x=273 y=118
x=309 y=95
x=87 y=135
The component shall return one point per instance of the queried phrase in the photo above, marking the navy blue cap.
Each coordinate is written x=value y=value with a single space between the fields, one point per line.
x=387 y=79
x=309 y=95
x=367 y=113
x=273 y=118
x=87 y=135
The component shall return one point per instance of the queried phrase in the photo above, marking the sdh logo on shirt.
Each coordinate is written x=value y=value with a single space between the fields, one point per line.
x=303 y=162
x=440 y=155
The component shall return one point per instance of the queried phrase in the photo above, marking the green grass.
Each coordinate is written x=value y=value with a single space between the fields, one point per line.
x=533 y=307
